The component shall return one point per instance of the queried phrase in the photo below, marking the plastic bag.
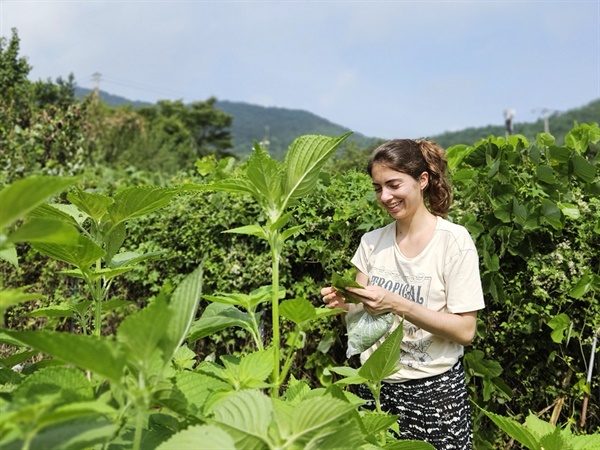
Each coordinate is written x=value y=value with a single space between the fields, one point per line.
x=364 y=330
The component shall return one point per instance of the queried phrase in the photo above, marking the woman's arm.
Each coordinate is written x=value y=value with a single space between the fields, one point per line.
x=459 y=328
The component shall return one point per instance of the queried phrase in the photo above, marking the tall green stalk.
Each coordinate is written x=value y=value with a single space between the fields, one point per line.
x=275 y=319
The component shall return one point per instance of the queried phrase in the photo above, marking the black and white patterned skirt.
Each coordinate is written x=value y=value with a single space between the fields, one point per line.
x=434 y=409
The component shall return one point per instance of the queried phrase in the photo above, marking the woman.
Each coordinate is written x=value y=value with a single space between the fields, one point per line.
x=424 y=269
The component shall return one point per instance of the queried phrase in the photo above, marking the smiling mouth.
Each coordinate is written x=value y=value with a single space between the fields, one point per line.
x=394 y=205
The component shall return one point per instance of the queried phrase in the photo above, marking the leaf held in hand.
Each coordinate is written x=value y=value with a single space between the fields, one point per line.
x=340 y=283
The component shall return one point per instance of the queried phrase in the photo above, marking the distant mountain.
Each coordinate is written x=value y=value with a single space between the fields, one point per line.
x=278 y=127
x=558 y=123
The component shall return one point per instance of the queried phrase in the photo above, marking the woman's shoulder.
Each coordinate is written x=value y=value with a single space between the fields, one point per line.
x=456 y=232
x=378 y=233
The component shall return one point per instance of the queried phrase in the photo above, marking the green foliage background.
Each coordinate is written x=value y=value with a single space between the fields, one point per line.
x=532 y=207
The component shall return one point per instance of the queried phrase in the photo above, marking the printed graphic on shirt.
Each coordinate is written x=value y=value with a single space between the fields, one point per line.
x=416 y=289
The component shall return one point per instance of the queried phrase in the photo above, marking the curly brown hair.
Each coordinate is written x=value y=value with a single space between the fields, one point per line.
x=413 y=157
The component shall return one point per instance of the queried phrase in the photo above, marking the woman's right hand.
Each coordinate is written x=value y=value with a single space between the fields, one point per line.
x=333 y=298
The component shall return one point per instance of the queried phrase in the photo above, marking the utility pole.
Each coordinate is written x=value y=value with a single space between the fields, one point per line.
x=546 y=115
x=96 y=77
x=508 y=117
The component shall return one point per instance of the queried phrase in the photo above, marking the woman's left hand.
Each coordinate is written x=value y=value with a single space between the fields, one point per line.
x=375 y=299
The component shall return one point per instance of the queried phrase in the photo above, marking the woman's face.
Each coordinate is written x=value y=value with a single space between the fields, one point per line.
x=399 y=193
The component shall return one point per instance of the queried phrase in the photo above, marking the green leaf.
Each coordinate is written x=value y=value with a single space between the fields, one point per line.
x=570 y=210
x=383 y=362
x=183 y=306
x=515 y=430
x=78 y=433
x=45 y=230
x=455 y=154
x=551 y=213
x=304 y=160
x=253 y=369
x=583 y=169
x=538 y=426
x=545 y=139
x=212 y=438
x=138 y=201
x=217 y=317
x=81 y=254
x=141 y=332
x=9 y=254
x=340 y=283
x=246 y=416
x=100 y=355
x=132 y=258
x=13 y=296
x=247 y=301
x=70 y=384
x=266 y=176
x=94 y=205
x=559 y=325
x=545 y=174
x=584 y=285
x=252 y=230
x=316 y=416
x=65 y=213
x=302 y=312
x=62 y=310
x=25 y=194
x=113 y=239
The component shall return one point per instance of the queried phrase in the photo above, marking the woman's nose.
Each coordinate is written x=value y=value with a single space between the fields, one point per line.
x=385 y=194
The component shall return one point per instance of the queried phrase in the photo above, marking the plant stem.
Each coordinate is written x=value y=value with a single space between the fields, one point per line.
x=275 y=318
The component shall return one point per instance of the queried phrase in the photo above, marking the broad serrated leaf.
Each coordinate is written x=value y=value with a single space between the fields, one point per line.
x=62 y=310
x=585 y=442
x=314 y=415
x=303 y=162
x=113 y=240
x=247 y=301
x=45 y=231
x=100 y=355
x=57 y=211
x=538 y=426
x=22 y=196
x=70 y=384
x=515 y=430
x=138 y=201
x=383 y=362
x=266 y=175
x=207 y=437
x=141 y=332
x=217 y=317
x=94 y=205
x=245 y=415
x=197 y=387
x=254 y=368
x=79 y=433
x=340 y=283
x=81 y=254
x=299 y=310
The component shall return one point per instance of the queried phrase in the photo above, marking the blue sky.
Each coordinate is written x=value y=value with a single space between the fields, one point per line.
x=381 y=68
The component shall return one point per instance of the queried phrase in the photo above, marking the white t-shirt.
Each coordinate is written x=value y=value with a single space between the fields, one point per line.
x=443 y=277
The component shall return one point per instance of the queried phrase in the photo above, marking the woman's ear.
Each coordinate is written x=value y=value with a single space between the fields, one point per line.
x=424 y=180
